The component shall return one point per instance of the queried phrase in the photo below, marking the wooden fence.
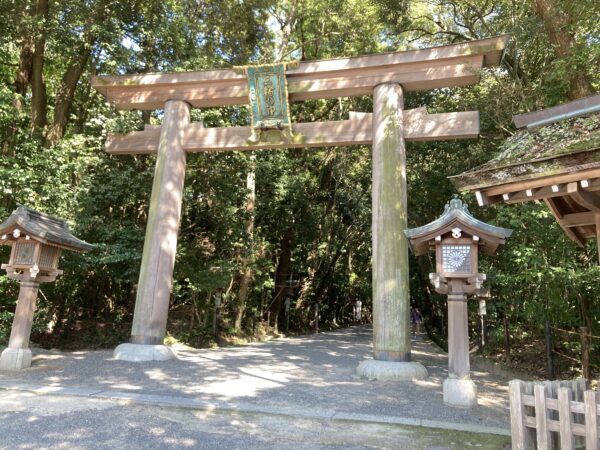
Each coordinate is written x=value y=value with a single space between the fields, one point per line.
x=553 y=415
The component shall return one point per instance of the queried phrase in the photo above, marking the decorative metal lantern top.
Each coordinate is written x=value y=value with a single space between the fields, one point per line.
x=37 y=240
x=456 y=237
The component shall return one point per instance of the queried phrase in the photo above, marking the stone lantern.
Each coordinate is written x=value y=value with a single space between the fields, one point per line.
x=457 y=237
x=37 y=241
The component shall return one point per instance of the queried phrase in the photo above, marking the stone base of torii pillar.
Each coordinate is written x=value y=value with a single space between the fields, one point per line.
x=140 y=352
x=392 y=370
x=460 y=392
x=391 y=307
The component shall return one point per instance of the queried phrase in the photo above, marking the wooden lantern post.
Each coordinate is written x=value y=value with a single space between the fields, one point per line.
x=37 y=241
x=456 y=237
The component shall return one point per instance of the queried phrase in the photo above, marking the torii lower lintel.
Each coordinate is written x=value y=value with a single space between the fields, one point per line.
x=418 y=126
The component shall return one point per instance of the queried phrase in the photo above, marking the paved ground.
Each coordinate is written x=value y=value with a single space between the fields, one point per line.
x=308 y=379
x=62 y=422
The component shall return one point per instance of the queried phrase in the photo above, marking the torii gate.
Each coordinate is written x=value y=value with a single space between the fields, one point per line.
x=385 y=76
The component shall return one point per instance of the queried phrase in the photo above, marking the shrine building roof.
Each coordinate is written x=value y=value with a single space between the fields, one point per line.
x=554 y=156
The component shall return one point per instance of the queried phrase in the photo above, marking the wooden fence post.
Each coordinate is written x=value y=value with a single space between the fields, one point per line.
x=521 y=436
x=216 y=322
x=567 y=441
x=591 y=420
x=541 y=419
x=549 y=355
x=585 y=352
x=552 y=414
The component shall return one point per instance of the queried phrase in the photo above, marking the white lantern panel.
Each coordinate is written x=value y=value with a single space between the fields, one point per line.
x=456 y=258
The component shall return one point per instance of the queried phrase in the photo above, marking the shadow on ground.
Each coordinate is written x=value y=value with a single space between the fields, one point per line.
x=311 y=372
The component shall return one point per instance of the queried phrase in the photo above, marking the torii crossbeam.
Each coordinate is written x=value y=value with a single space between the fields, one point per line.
x=385 y=76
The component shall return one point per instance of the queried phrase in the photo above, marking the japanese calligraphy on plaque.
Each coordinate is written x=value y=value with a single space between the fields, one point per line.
x=269 y=108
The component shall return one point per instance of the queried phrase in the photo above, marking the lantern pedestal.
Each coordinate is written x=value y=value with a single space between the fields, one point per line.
x=18 y=356
x=460 y=392
x=373 y=369
x=15 y=359
x=139 y=352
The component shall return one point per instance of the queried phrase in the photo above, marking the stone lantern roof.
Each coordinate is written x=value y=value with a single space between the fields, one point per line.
x=43 y=228
x=456 y=215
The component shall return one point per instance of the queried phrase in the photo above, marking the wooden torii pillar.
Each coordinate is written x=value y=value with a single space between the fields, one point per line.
x=386 y=76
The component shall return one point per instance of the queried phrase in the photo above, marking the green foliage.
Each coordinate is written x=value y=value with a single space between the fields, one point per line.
x=5 y=323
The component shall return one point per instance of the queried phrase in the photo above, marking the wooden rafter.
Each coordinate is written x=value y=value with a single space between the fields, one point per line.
x=586 y=199
x=578 y=219
x=539 y=189
x=555 y=190
x=567 y=229
x=572 y=198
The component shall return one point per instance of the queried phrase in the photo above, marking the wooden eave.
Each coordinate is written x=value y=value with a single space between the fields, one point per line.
x=532 y=173
x=573 y=199
x=424 y=69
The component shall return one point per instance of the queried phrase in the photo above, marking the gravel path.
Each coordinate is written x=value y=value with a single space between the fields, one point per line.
x=315 y=372
x=58 y=422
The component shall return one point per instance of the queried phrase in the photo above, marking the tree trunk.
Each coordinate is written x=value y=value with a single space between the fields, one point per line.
x=557 y=22
x=39 y=115
x=283 y=271
x=245 y=280
x=24 y=71
x=506 y=339
x=325 y=282
x=585 y=305
x=64 y=97
x=68 y=84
